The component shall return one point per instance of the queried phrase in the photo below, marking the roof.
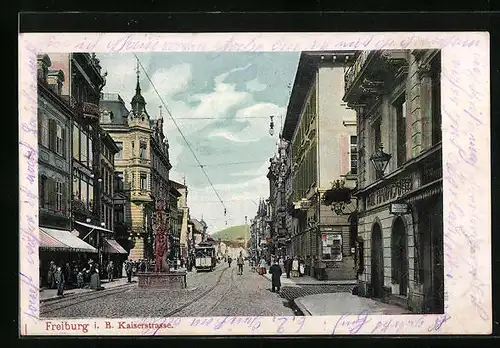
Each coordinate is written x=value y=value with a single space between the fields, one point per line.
x=175 y=191
x=113 y=103
x=177 y=185
x=53 y=239
x=306 y=70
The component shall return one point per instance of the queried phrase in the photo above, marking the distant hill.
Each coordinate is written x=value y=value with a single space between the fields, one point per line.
x=232 y=233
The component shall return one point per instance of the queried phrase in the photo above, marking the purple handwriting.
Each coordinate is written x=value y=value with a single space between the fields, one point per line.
x=353 y=323
x=464 y=127
x=398 y=325
x=290 y=323
x=33 y=293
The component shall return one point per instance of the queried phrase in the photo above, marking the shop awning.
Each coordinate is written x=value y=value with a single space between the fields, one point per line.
x=61 y=240
x=94 y=227
x=112 y=247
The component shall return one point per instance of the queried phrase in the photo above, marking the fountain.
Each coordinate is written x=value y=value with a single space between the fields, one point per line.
x=162 y=277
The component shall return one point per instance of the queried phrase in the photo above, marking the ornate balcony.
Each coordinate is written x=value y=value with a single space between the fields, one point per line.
x=89 y=111
x=371 y=73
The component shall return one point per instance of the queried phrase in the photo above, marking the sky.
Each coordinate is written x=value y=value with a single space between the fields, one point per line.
x=230 y=89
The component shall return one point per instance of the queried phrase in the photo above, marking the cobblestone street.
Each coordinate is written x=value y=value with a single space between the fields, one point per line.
x=219 y=293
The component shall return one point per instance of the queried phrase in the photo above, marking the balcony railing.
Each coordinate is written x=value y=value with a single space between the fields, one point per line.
x=355 y=69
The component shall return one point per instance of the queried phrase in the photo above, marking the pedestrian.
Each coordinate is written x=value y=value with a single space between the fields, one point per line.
x=288 y=266
x=275 y=271
x=51 y=280
x=59 y=280
x=79 y=280
x=262 y=266
x=67 y=275
x=295 y=267
x=110 y=270
x=229 y=260
x=129 y=269
x=301 y=267
x=239 y=262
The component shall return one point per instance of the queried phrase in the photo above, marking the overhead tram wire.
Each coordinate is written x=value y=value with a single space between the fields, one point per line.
x=182 y=134
x=229 y=163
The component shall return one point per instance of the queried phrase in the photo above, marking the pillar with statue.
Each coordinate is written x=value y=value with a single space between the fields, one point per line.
x=162 y=277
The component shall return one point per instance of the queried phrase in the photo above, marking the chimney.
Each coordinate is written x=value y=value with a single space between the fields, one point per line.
x=55 y=80
x=43 y=64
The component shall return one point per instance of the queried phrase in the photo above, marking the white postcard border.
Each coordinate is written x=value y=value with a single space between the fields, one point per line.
x=466 y=183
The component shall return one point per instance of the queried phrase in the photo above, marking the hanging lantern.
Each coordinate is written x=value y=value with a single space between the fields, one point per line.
x=271 y=126
x=380 y=160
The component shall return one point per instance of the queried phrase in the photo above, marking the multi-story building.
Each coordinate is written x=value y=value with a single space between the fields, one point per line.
x=54 y=148
x=175 y=222
x=277 y=200
x=260 y=231
x=183 y=217
x=143 y=161
x=121 y=207
x=82 y=92
x=396 y=94
x=320 y=128
x=107 y=154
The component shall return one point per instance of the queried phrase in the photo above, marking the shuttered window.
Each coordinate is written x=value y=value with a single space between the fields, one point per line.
x=59 y=195
x=52 y=135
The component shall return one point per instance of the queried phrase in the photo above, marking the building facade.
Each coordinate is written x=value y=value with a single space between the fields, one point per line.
x=396 y=94
x=175 y=222
x=183 y=215
x=143 y=162
x=54 y=148
x=321 y=128
x=260 y=232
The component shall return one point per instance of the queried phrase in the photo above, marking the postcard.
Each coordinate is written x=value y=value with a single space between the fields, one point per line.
x=254 y=184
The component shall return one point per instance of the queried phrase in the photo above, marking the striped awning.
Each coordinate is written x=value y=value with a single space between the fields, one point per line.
x=112 y=247
x=61 y=240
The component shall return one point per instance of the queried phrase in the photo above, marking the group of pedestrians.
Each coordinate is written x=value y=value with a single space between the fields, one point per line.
x=86 y=275
x=240 y=261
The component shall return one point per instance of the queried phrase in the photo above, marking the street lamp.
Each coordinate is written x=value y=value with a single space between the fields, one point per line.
x=380 y=160
x=271 y=127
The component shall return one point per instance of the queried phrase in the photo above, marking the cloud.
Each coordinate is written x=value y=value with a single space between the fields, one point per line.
x=231 y=137
x=256 y=118
x=220 y=78
x=172 y=81
x=255 y=86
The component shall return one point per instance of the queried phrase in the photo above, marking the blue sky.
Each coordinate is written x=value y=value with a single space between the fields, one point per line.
x=229 y=88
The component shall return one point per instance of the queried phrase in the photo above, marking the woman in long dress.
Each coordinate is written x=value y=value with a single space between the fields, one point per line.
x=262 y=266
x=295 y=267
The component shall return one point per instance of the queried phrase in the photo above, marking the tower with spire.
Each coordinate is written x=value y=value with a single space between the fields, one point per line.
x=138 y=102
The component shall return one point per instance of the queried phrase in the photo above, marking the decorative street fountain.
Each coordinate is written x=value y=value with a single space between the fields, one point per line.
x=162 y=277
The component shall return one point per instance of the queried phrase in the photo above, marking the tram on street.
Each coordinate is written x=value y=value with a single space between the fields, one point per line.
x=205 y=259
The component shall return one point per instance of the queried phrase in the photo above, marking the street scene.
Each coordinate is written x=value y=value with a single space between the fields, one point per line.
x=240 y=184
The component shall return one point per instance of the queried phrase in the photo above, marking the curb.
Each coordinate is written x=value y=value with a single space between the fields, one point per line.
x=72 y=294
x=302 y=308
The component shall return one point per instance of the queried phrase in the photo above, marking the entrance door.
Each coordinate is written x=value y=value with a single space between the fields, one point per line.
x=399 y=256
x=377 y=262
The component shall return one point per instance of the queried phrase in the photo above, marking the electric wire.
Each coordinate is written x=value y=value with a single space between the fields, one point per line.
x=180 y=132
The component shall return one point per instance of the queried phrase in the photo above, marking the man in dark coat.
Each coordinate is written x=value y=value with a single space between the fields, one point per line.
x=275 y=272
x=128 y=269
x=288 y=266
x=59 y=279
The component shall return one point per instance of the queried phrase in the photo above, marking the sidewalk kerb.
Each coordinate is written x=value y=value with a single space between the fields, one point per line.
x=301 y=306
x=71 y=294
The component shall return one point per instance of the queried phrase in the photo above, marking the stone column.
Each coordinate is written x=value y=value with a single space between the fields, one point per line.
x=424 y=74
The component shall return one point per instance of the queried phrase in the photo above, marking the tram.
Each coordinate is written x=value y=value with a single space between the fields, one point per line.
x=205 y=259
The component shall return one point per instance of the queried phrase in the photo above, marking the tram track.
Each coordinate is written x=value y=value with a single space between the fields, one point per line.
x=223 y=297
x=198 y=297
x=52 y=306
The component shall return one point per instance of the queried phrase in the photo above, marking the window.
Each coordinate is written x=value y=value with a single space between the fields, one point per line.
x=76 y=187
x=436 y=100
x=59 y=140
x=43 y=131
x=119 y=154
x=400 y=106
x=59 y=195
x=90 y=154
x=119 y=216
x=91 y=196
x=103 y=213
x=144 y=182
x=43 y=191
x=118 y=184
x=76 y=142
x=83 y=147
x=142 y=151
x=354 y=154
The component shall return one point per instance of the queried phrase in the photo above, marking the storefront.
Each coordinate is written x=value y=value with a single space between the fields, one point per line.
x=401 y=233
x=61 y=247
x=113 y=251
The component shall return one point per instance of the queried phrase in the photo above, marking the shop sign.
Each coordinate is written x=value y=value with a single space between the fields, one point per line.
x=390 y=191
x=432 y=171
x=399 y=208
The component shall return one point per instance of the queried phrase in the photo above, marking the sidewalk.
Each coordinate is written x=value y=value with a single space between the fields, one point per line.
x=307 y=280
x=51 y=294
x=341 y=303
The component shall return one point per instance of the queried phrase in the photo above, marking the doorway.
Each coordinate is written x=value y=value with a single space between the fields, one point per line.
x=377 y=262
x=399 y=256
